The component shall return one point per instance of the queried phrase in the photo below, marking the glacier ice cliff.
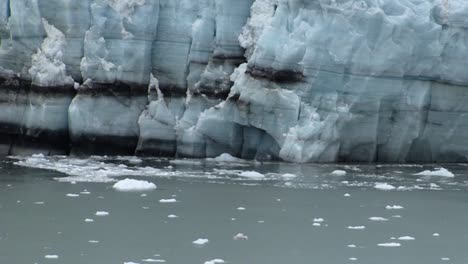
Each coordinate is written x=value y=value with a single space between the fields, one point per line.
x=293 y=80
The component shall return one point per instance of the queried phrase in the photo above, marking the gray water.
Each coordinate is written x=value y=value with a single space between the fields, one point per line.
x=37 y=218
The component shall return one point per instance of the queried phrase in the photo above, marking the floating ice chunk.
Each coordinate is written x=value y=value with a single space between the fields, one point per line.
x=384 y=187
x=172 y=200
x=131 y=185
x=214 y=261
x=227 y=158
x=353 y=259
x=356 y=227
x=89 y=220
x=316 y=224
x=389 y=244
x=172 y=216
x=39 y=203
x=441 y=172
x=338 y=173
x=445 y=259
x=93 y=241
x=102 y=213
x=377 y=218
x=154 y=260
x=200 y=241
x=394 y=207
x=289 y=175
x=72 y=195
x=131 y=262
x=240 y=236
x=436 y=234
x=185 y=162
x=85 y=192
x=352 y=246
x=318 y=220
x=51 y=256
x=251 y=175
x=240 y=208
x=406 y=238
x=347 y=195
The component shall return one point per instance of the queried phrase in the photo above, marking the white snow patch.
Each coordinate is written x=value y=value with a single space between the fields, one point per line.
x=132 y=185
x=441 y=172
x=338 y=173
x=384 y=186
x=200 y=241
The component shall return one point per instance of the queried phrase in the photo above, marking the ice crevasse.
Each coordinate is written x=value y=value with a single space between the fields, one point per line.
x=293 y=80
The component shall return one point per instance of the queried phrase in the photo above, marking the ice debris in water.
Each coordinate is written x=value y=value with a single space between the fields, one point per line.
x=172 y=216
x=384 y=187
x=240 y=236
x=390 y=244
x=132 y=185
x=338 y=173
x=89 y=220
x=394 y=207
x=154 y=260
x=102 y=213
x=72 y=195
x=200 y=241
x=251 y=175
x=227 y=158
x=441 y=172
x=377 y=218
x=406 y=238
x=51 y=256
x=356 y=227
x=289 y=175
x=214 y=261
x=172 y=200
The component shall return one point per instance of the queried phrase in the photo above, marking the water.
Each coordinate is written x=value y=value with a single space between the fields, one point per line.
x=37 y=218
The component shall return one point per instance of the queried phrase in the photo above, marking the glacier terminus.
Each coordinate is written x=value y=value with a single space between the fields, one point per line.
x=293 y=80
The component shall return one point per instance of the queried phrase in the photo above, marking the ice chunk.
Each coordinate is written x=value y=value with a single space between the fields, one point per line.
x=406 y=238
x=338 y=173
x=102 y=213
x=252 y=175
x=131 y=185
x=200 y=241
x=389 y=244
x=240 y=236
x=171 y=200
x=441 y=172
x=214 y=261
x=384 y=186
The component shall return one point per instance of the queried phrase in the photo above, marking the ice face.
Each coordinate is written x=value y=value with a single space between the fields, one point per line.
x=301 y=81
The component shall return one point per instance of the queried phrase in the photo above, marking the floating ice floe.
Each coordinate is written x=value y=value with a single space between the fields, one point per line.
x=51 y=256
x=154 y=260
x=132 y=185
x=72 y=195
x=89 y=220
x=394 y=207
x=356 y=227
x=214 y=261
x=338 y=173
x=378 y=218
x=406 y=238
x=93 y=241
x=172 y=216
x=353 y=259
x=384 y=187
x=316 y=224
x=171 y=200
x=102 y=213
x=435 y=234
x=200 y=241
x=289 y=175
x=352 y=246
x=251 y=175
x=318 y=220
x=240 y=236
x=227 y=158
x=389 y=244
x=445 y=259
x=347 y=195
x=441 y=172
x=240 y=208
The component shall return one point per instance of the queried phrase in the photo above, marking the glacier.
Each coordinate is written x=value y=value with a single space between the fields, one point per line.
x=292 y=80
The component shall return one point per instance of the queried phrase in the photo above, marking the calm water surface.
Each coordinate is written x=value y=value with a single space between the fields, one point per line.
x=316 y=217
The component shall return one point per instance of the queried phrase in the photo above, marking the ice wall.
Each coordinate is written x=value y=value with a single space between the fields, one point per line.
x=295 y=80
